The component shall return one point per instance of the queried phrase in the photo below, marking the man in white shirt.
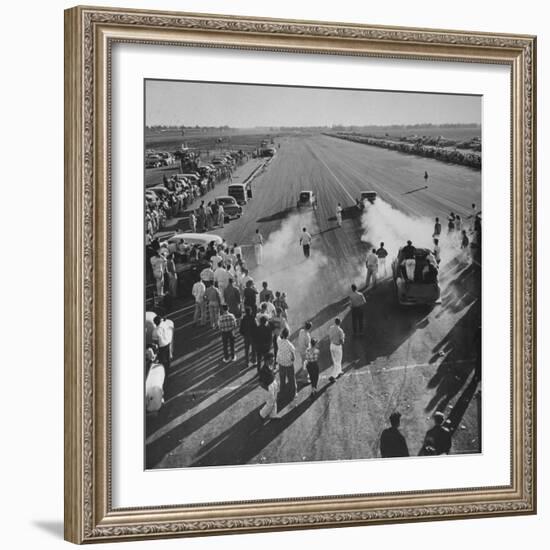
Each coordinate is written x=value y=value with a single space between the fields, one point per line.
x=337 y=338
x=286 y=354
x=372 y=267
x=339 y=215
x=163 y=335
x=258 y=241
x=199 y=318
x=305 y=242
x=221 y=278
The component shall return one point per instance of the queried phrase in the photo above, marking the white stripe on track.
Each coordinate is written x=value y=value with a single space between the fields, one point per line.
x=336 y=178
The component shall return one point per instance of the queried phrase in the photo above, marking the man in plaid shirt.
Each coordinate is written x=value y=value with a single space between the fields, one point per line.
x=227 y=324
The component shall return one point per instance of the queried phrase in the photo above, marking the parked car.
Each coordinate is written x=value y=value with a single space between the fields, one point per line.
x=307 y=198
x=160 y=191
x=202 y=239
x=230 y=206
x=424 y=289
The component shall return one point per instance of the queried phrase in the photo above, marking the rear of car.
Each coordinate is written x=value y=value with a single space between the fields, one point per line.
x=424 y=289
x=238 y=192
x=368 y=196
x=232 y=210
x=305 y=199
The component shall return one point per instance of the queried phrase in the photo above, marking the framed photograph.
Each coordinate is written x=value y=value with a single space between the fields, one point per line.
x=300 y=274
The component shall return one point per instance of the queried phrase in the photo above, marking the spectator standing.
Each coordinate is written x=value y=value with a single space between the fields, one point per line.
x=247 y=329
x=312 y=365
x=285 y=359
x=372 y=267
x=280 y=302
x=269 y=384
x=465 y=245
x=227 y=324
x=305 y=242
x=232 y=298
x=158 y=263
x=221 y=215
x=265 y=293
x=392 y=441
x=302 y=344
x=382 y=254
x=213 y=299
x=357 y=303
x=221 y=279
x=337 y=338
x=249 y=297
x=258 y=242
x=172 y=276
x=163 y=335
x=438 y=438
x=193 y=222
x=198 y=290
x=263 y=341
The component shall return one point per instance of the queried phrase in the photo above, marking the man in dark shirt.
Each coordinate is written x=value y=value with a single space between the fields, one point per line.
x=392 y=442
x=263 y=340
x=438 y=438
x=248 y=331
x=249 y=297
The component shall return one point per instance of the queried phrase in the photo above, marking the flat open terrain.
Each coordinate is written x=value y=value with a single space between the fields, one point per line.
x=415 y=360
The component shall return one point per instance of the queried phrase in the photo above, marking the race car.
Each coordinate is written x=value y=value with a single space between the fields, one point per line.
x=366 y=196
x=305 y=199
x=423 y=288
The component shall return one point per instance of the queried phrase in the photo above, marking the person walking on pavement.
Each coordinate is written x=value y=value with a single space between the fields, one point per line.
x=437 y=251
x=438 y=438
x=285 y=359
x=357 y=303
x=258 y=242
x=305 y=242
x=372 y=267
x=465 y=245
x=451 y=223
x=268 y=383
x=437 y=229
x=339 y=215
x=247 y=329
x=312 y=365
x=409 y=260
x=227 y=324
x=198 y=290
x=337 y=338
x=382 y=254
x=392 y=441
x=214 y=300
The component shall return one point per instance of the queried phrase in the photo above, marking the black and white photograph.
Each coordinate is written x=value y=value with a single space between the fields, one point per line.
x=312 y=274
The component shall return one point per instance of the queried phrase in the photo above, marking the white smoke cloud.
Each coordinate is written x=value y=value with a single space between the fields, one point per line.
x=381 y=222
x=286 y=269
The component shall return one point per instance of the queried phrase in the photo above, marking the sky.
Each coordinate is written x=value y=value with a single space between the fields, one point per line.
x=176 y=103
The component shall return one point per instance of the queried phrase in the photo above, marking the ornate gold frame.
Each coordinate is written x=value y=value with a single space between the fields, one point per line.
x=89 y=35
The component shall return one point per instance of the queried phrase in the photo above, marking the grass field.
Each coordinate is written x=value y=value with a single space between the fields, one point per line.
x=206 y=139
x=459 y=134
